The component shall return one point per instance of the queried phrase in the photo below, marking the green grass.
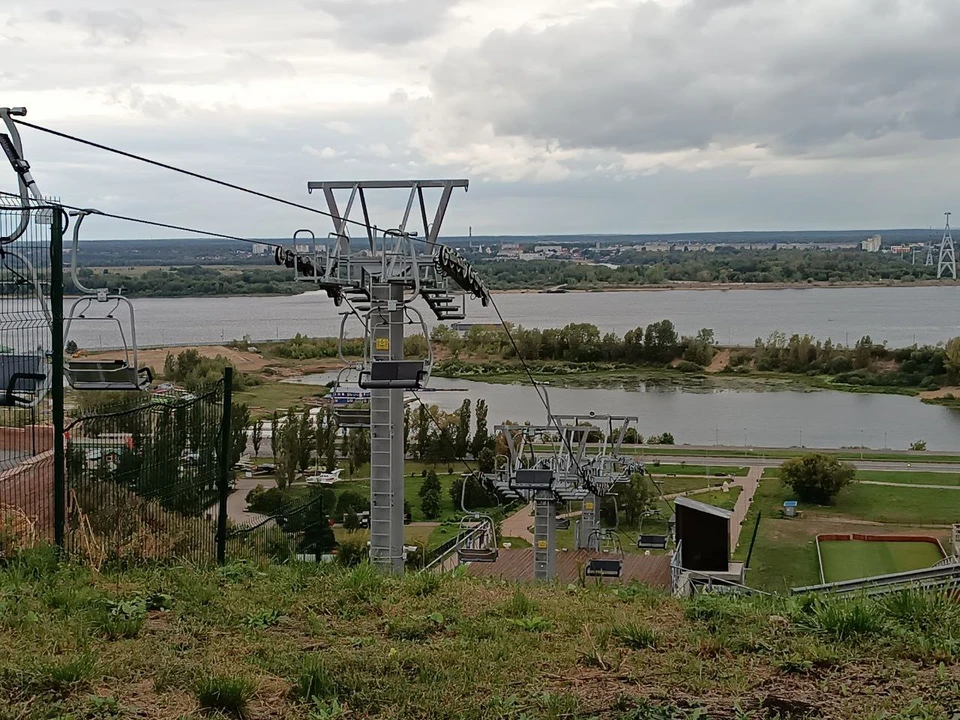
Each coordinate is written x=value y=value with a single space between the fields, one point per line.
x=263 y=399
x=352 y=643
x=850 y=559
x=653 y=451
x=682 y=484
x=911 y=478
x=718 y=498
x=710 y=470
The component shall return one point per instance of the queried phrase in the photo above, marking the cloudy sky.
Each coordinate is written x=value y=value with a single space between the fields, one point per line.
x=567 y=116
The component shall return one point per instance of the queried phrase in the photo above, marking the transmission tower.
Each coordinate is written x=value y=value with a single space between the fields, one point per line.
x=929 y=260
x=948 y=260
x=379 y=284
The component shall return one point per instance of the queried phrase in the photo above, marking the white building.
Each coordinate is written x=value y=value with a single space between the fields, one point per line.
x=872 y=244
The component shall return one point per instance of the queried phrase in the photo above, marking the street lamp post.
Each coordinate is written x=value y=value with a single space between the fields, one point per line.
x=861 y=443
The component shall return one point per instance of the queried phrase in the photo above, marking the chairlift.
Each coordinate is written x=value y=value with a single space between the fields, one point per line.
x=381 y=373
x=477 y=534
x=349 y=417
x=608 y=543
x=23 y=379
x=650 y=541
x=125 y=374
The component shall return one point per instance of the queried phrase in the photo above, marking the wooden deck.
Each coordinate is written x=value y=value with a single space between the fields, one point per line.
x=517 y=565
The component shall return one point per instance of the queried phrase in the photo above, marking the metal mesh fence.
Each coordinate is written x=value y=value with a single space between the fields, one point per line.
x=144 y=480
x=26 y=375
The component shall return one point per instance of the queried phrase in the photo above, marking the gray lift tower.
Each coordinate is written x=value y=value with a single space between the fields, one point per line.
x=378 y=276
x=947 y=261
x=551 y=463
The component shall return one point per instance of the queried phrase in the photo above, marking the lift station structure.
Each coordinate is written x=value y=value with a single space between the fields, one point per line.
x=378 y=278
x=551 y=463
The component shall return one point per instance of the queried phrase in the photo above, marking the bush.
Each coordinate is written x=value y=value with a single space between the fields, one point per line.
x=685 y=366
x=816 y=478
x=351 y=553
x=267 y=502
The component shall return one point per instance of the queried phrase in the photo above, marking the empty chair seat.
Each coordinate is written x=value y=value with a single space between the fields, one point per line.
x=106 y=375
x=478 y=554
x=393 y=375
x=352 y=417
x=603 y=567
x=658 y=542
x=22 y=378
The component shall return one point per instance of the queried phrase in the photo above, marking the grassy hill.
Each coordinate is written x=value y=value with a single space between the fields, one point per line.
x=323 y=642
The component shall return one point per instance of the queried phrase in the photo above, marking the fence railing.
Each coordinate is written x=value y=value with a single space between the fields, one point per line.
x=145 y=479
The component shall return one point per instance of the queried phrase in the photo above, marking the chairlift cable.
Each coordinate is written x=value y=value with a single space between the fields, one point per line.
x=189 y=173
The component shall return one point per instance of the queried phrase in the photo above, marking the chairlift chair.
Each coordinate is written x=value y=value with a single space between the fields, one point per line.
x=85 y=374
x=477 y=534
x=23 y=379
x=349 y=417
x=609 y=544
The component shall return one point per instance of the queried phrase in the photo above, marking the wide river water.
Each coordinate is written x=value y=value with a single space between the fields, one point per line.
x=725 y=417
x=900 y=316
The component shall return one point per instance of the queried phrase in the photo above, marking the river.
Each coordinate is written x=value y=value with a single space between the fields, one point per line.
x=826 y=418
x=899 y=316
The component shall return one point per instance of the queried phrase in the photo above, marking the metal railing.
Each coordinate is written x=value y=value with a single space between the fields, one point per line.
x=934 y=578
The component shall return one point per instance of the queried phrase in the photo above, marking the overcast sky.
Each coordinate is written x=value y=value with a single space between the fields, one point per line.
x=567 y=116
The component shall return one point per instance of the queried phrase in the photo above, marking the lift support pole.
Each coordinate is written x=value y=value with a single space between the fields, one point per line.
x=588 y=536
x=386 y=434
x=544 y=535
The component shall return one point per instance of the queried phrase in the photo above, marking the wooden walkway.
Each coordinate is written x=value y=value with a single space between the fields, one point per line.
x=517 y=565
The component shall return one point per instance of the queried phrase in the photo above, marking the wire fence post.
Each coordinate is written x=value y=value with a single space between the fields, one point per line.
x=57 y=218
x=224 y=478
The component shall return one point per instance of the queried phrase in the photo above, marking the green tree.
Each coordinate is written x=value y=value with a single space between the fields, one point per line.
x=951 y=360
x=430 y=496
x=918 y=445
x=461 y=441
x=304 y=439
x=351 y=500
x=816 y=478
x=351 y=521
x=275 y=434
x=359 y=447
x=634 y=497
x=423 y=432
x=317 y=537
x=481 y=437
x=239 y=420
x=256 y=437
x=289 y=458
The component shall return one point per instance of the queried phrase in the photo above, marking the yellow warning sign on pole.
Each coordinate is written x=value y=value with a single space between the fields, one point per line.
x=542 y=544
x=382 y=343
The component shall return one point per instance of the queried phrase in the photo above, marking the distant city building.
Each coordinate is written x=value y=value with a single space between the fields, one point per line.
x=260 y=249
x=872 y=244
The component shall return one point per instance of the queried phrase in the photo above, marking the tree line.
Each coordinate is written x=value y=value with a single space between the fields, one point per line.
x=726 y=265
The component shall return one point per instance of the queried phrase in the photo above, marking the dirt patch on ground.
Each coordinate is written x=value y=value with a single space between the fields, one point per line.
x=720 y=361
x=942 y=392
x=242 y=360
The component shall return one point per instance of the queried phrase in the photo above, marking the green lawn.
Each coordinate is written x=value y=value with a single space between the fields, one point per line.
x=850 y=559
x=912 y=478
x=711 y=470
x=847 y=454
x=270 y=396
x=719 y=498
x=685 y=484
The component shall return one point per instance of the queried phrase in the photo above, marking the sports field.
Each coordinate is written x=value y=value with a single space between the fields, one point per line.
x=851 y=559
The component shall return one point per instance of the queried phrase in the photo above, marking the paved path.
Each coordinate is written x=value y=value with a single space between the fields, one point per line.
x=518 y=524
x=237 y=500
x=749 y=485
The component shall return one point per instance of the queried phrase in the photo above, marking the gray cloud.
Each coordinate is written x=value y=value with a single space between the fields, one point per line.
x=793 y=76
x=387 y=22
x=107 y=25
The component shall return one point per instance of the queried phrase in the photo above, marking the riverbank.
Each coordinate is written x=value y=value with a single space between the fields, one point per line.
x=693 y=285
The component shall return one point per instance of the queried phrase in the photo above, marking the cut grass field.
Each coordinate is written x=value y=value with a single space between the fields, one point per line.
x=706 y=470
x=305 y=642
x=850 y=559
x=785 y=552
x=653 y=451
x=910 y=478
